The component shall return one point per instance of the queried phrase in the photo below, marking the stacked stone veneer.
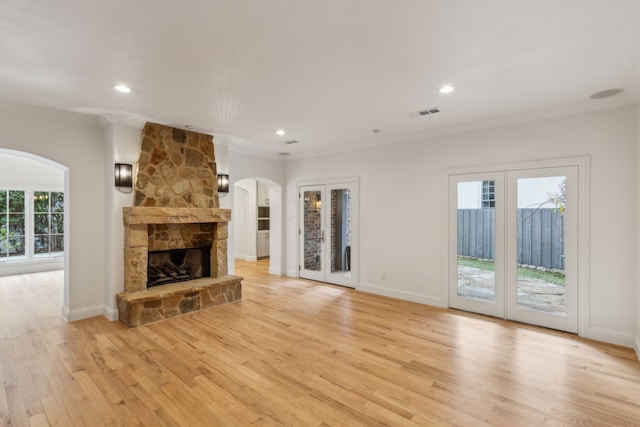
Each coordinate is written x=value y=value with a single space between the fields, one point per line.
x=175 y=207
x=176 y=168
x=180 y=236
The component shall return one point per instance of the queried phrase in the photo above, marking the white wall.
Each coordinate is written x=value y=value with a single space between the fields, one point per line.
x=31 y=175
x=470 y=195
x=401 y=217
x=244 y=220
x=122 y=145
x=637 y=235
x=74 y=141
x=17 y=171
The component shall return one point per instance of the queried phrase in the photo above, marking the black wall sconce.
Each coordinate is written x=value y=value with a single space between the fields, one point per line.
x=223 y=183
x=123 y=175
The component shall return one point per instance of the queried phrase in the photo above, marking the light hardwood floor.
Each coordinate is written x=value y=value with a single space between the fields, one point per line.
x=299 y=353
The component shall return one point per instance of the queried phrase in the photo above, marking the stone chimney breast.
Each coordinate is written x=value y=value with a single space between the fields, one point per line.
x=176 y=168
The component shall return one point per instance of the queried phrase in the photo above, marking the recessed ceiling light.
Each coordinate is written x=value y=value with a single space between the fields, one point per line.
x=376 y=131
x=283 y=154
x=122 y=88
x=446 y=89
x=606 y=93
x=280 y=132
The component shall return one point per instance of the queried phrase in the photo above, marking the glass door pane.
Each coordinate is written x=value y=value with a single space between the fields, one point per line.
x=341 y=231
x=342 y=234
x=476 y=224
x=540 y=275
x=313 y=233
x=476 y=276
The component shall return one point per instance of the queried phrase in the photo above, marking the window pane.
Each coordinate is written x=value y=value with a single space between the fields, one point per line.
x=57 y=223
x=57 y=202
x=41 y=223
x=4 y=243
x=16 y=201
x=16 y=245
x=16 y=235
x=57 y=243
x=40 y=201
x=3 y=201
x=16 y=223
x=41 y=244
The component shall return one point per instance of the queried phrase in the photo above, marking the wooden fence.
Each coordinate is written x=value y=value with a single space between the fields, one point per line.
x=540 y=236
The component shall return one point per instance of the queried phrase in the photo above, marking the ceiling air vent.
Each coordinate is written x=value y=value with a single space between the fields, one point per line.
x=293 y=141
x=425 y=112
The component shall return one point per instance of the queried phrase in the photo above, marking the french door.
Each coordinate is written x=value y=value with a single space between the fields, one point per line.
x=513 y=249
x=328 y=233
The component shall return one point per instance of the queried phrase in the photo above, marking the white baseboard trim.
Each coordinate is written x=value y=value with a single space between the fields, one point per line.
x=612 y=337
x=275 y=271
x=34 y=266
x=85 y=313
x=246 y=258
x=394 y=293
x=637 y=347
x=111 y=313
x=291 y=273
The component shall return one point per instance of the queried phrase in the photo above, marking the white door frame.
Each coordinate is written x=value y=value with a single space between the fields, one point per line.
x=583 y=239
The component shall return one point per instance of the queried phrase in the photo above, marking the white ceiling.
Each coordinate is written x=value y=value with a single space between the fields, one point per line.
x=328 y=72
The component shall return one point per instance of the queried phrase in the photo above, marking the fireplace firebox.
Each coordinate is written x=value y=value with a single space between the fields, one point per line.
x=178 y=265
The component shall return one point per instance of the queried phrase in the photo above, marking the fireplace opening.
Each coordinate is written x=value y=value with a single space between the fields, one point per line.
x=178 y=265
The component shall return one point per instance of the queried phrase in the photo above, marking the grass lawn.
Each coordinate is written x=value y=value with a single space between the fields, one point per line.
x=546 y=276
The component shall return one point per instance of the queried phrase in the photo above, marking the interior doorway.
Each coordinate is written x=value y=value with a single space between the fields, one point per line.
x=32 y=214
x=45 y=184
x=256 y=222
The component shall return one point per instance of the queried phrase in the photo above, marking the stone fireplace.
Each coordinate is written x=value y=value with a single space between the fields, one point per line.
x=175 y=250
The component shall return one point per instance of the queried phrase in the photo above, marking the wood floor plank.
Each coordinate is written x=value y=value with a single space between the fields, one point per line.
x=298 y=353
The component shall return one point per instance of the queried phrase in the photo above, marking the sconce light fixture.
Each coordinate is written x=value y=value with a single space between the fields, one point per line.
x=123 y=175
x=223 y=183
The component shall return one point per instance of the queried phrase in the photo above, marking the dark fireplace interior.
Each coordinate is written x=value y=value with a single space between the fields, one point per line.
x=178 y=265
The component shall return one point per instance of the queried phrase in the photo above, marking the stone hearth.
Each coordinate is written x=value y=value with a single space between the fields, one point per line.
x=175 y=207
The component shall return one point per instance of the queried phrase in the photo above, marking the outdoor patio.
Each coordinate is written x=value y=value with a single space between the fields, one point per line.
x=532 y=293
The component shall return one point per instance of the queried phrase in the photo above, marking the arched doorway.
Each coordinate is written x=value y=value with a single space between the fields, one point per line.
x=257 y=224
x=43 y=186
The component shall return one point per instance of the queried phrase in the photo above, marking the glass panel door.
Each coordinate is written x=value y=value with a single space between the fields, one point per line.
x=513 y=245
x=542 y=230
x=329 y=233
x=476 y=258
